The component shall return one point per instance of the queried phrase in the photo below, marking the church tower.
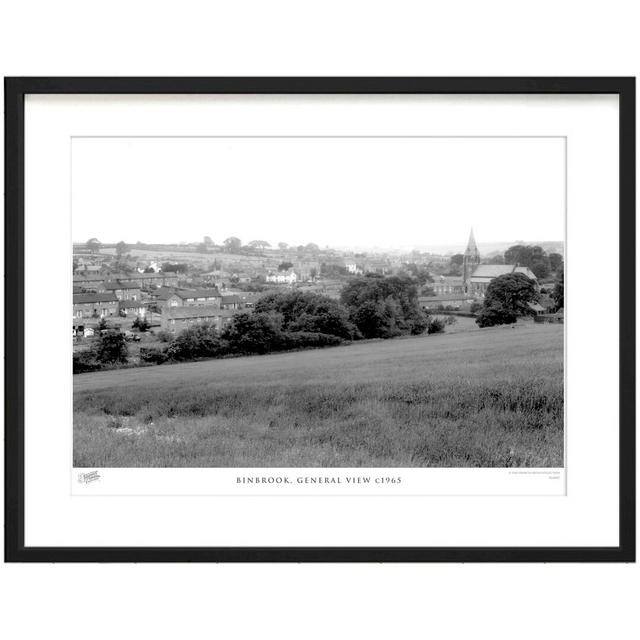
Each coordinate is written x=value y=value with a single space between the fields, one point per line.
x=470 y=261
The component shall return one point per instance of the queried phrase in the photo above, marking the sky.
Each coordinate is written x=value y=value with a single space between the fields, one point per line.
x=386 y=193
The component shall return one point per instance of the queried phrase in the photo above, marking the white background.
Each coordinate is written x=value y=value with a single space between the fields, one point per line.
x=331 y=38
x=586 y=516
x=417 y=181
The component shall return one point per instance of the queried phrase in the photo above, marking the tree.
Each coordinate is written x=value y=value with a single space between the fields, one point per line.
x=208 y=241
x=149 y=270
x=282 y=246
x=175 y=267
x=455 y=264
x=419 y=273
x=259 y=244
x=308 y=312
x=93 y=244
x=197 y=341
x=507 y=297
x=203 y=247
x=541 y=269
x=312 y=247
x=531 y=256
x=254 y=332
x=232 y=244
x=494 y=314
x=374 y=320
x=556 y=263
x=111 y=348
x=284 y=266
x=121 y=249
x=558 y=292
x=394 y=297
x=333 y=270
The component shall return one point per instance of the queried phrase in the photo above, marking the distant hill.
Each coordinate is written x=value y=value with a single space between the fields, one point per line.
x=485 y=248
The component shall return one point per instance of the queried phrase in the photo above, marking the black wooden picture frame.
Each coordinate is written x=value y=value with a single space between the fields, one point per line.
x=15 y=91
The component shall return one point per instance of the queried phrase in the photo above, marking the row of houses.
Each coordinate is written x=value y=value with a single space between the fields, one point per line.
x=170 y=297
x=89 y=280
x=177 y=308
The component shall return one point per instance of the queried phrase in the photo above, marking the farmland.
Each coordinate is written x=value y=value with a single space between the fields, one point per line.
x=485 y=398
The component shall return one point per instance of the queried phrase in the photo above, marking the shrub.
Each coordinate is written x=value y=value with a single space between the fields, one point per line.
x=435 y=325
x=141 y=324
x=111 y=348
x=164 y=336
x=304 y=339
x=198 y=341
x=310 y=312
x=495 y=314
x=153 y=355
x=85 y=361
x=254 y=333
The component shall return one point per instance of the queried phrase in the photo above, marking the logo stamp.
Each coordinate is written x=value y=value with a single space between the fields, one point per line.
x=86 y=478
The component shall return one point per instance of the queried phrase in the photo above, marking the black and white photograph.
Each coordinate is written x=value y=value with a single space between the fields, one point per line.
x=321 y=319
x=318 y=301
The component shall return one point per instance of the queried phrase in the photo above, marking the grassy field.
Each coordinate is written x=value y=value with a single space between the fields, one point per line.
x=485 y=398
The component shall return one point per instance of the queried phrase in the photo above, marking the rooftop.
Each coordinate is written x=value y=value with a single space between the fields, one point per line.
x=89 y=298
x=155 y=276
x=444 y=298
x=112 y=286
x=89 y=277
x=199 y=293
x=495 y=270
x=205 y=311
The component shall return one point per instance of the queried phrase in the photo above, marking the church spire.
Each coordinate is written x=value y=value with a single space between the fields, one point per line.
x=472 y=247
x=470 y=261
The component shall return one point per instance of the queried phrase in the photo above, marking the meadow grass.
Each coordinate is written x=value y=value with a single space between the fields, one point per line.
x=489 y=398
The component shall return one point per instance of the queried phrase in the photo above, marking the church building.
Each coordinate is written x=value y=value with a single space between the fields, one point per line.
x=476 y=277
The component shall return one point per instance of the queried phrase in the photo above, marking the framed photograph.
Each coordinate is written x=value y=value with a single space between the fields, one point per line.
x=320 y=319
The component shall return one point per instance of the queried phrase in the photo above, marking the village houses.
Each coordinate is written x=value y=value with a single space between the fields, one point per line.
x=176 y=319
x=282 y=277
x=94 y=305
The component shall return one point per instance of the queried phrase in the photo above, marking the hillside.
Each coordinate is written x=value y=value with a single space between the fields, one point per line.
x=479 y=398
